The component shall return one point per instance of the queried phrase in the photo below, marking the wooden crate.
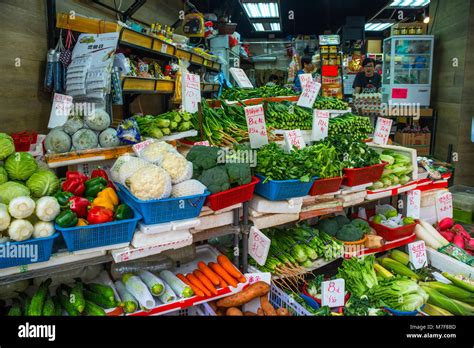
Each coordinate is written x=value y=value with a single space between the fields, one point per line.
x=85 y=25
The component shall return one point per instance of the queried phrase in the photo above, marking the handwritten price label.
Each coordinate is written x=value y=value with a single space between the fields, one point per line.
x=191 y=88
x=444 y=205
x=320 y=125
x=413 y=204
x=202 y=143
x=62 y=105
x=309 y=94
x=257 y=129
x=417 y=253
x=382 y=131
x=241 y=78
x=259 y=245
x=304 y=79
x=293 y=139
x=137 y=148
x=332 y=293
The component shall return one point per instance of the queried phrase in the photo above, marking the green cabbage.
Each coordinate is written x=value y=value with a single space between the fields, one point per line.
x=43 y=183
x=7 y=147
x=3 y=175
x=20 y=166
x=10 y=190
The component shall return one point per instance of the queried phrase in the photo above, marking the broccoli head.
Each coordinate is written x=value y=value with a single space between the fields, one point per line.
x=239 y=173
x=342 y=220
x=328 y=226
x=349 y=233
x=216 y=179
x=203 y=157
x=362 y=225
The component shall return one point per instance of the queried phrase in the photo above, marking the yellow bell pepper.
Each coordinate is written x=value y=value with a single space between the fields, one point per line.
x=82 y=222
x=107 y=198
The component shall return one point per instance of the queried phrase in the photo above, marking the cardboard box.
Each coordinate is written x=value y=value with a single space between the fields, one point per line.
x=413 y=138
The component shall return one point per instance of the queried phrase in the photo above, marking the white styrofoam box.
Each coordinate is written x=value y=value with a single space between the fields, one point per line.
x=141 y=239
x=169 y=226
x=345 y=190
x=448 y=264
x=262 y=205
x=428 y=198
x=353 y=202
x=225 y=210
x=271 y=220
x=404 y=151
x=101 y=248
x=255 y=213
x=353 y=196
x=213 y=221
x=428 y=214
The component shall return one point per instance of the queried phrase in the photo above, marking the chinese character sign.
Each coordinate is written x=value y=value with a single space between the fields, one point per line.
x=256 y=126
x=332 y=293
x=304 y=79
x=259 y=245
x=62 y=105
x=293 y=139
x=413 y=204
x=382 y=131
x=309 y=94
x=444 y=205
x=191 y=87
x=320 y=125
x=241 y=78
x=417 y=253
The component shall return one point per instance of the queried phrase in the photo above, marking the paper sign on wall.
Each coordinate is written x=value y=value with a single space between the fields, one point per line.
x=304 y=79
x=417 y=253
x=259 y=245
x=254 y=305
x=62 y=106
x=413 y=204
x=241 y=77
x=309 y=94
x=333 y=293
x=257 y=129
x=444 y=205
x=320 y=125
x=293 y=139
x=191 y=89
x=382 y=131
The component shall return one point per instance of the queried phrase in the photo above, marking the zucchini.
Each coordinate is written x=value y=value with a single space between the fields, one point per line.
x=99 y=299
x=37 y=301
x=92 y=309
x=168 y=295
x=155 y=284
x=105 y=290
x=77 y=296
x=178 y=286
x=129 y=303
x=139 y=290
x=15 y=310
x=58 y=310
x=49 y=310
x=64 y=300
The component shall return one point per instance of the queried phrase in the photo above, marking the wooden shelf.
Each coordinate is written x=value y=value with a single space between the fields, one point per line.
x=85 y=156
x=147 y=85
x=85 y=25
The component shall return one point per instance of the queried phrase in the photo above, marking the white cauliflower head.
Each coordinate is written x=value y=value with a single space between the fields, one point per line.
x=178 y=167
x=155 y=152
x=151 y=182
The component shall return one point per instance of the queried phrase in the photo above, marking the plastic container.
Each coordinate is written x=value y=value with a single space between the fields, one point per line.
x=24 y=140
x=279 y=299
x=463 y=203
x=227 y=198
x=164 y=210
x=323 y=186
x=94 y=236
x=389 y=234
x=40 y=249
x=280 y=190
x=361 y=176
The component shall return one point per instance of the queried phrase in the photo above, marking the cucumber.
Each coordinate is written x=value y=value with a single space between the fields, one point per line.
x=15 y=310
x=49 y=309
x=105 y=290
x=92 y=309
x=37 y=302
x=26 y=302
x=66 y=303
x=77 y=296
x=99 y=299
x=129 y=302
x=58 y=310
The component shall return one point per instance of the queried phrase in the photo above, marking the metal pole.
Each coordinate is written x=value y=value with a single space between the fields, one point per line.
x=51 y=16
x=236 y=237
x=245 y=236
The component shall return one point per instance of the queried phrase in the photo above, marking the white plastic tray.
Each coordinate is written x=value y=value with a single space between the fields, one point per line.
x=169 y=226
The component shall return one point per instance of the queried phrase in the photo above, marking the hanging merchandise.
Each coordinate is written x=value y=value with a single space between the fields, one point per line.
x=66 y=54
x=193 y=25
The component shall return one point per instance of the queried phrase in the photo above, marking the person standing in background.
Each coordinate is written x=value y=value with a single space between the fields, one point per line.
x=308 y=68
x=367 y=81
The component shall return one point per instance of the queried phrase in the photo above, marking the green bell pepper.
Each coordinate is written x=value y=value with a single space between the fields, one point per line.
x=94 y=186
x=62 y=197
x=66 y=218
x=123 y=212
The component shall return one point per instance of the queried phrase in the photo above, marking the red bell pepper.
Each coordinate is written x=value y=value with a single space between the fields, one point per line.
x=99 y=172
x=99 y=215
x=111 y=185
x=79 y=205
x=75 y=186
x=75 y=175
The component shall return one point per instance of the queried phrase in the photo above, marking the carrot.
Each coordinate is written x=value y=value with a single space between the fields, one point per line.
x=196 y=282
x=207 y=283
x=242 y=279
x=196 y=290
x=229 y=266
x=222 y=282
x=222 y=272
x=209 y=273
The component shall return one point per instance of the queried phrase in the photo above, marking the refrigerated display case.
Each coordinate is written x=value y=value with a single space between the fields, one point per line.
x=407 y=69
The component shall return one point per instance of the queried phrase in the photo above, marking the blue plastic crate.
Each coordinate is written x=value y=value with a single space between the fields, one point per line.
x=40 y=253
x=280 y=190
x=165 y=210
x=93 y=236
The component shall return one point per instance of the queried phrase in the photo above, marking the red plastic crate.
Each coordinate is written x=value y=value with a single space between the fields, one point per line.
x=227 y=198
x=388 y=233
x=323 y=186
x=24 y=140
x=361 y=176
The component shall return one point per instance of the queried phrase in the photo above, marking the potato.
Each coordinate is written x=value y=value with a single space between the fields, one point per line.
x=249 y=314
x=260 y=312
x=283 y=312
x=234 y=312
x=255 y=290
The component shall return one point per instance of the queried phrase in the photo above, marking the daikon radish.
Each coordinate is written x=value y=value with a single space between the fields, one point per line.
x=425 y=236
x=431 y=230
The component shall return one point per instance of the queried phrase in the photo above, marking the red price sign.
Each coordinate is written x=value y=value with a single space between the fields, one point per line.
x=320 y=125
x=382 y=131
x=259 y=245
x=256 y=126
x=333 y=292
x=417 y=253
x=444 y=205
x=191 y=92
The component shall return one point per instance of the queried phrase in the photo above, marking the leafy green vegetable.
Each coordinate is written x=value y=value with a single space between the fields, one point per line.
x=7 y=147
x=239 y=173
x=314 y=285
x=10 y=190
x=362 y=307
x=359 y=274
x=342 y=220
x=3 y=175
x=20 y=166
x=349 y=233
x=43 y=183
x=353 y=152
x=329 y=226
x=362 y=225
